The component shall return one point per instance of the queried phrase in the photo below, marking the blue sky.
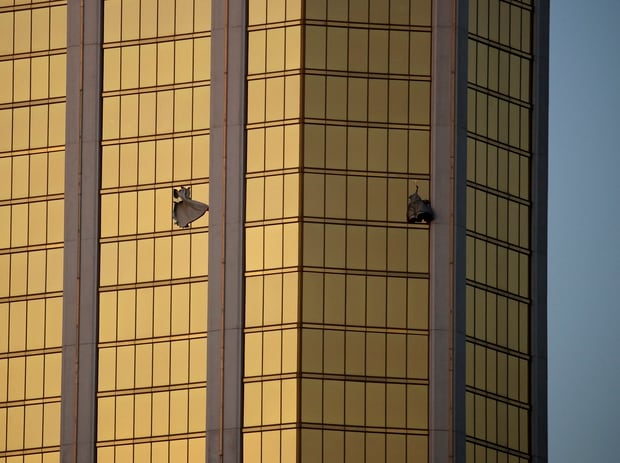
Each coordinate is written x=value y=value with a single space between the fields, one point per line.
x=584 y=224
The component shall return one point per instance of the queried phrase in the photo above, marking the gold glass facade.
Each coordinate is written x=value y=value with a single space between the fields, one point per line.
x=336 y=337
x=340 y=310
x=499 y=170
x=151 y=393
x=32 y=137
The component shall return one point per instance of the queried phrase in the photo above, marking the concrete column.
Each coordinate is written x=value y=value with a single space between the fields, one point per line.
x=81 y=257
x=441 y=235
x=448 y=181
x=226 y=232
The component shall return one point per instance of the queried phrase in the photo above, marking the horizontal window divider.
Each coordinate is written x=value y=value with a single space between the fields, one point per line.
x=362 y=272
x=28 y=402
x=489 y=141
x=156 y=88
x=151 y=439
x=27 y=152
x=364 y=124
x=153 y=340
x=31 y=297
x=31 y=352
x=500 y=96
x=409 y=431
x=368 y=25
x=363 y=329
x=366 y=75
x=499 y=448
x=153 y=284
x=160 y=39
x=498 y=348
x=513 y=51
x=156 y=186
x=497 y=291
x=30 y=103
x=503 y=244
x=155 y=137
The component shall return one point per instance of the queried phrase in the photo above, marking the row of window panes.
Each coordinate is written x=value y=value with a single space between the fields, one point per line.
x=35 y=174
x=152 y=365
x=30 y=377
x=359 y=403
x=497 y=320
x=368 y=50
x=167 y=451
x=498 y=168
x=324 y=245
x=352 y=403
x=144 y=211
x=332 y=196
x=270 y=352
x=273 y=246
x=363 y=248
x=338 y=299
x=339 y=147
x=367 y=99
x=497 y=372
x=31 y=30
x=497 y=422
x=326 y=445
x=367 y=149
x=153 y=312
x=274 y=50
x=273 y=99
x=272 y=148
x=33 y=324
x=163 y=63
x=499 y=71
x=364 y=353
x=395 y=12
x=133 y=261
x=499 y=21
x=498 y=267
x=270 y=11
x=31 y=224
x=33 y=78
x=359 y=197
x=153 y=113
x=498 y=120
x=271 y=299
x=171 y=159
x=498 y=217
x=359 y=300
x=272 y=197
x=142 y=19
x=31 y=272
x=151 y=414
x=29 y=427
x=32 y=127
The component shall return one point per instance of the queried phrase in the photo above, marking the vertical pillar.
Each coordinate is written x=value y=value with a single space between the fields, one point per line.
x=442 y=247
x=226 y=232
x=447 y=283
x=81 y=269
x=538 y=224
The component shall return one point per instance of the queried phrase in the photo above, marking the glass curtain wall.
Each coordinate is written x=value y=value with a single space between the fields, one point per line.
x=272 y=277
x=32 y=137
x=336 y=365
x=498 y=230
x=153 y=274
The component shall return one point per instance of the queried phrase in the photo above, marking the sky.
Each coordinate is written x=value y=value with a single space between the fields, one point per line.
x=584 y=224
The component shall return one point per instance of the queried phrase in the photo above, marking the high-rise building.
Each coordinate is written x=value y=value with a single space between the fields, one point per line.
x=303 y=318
